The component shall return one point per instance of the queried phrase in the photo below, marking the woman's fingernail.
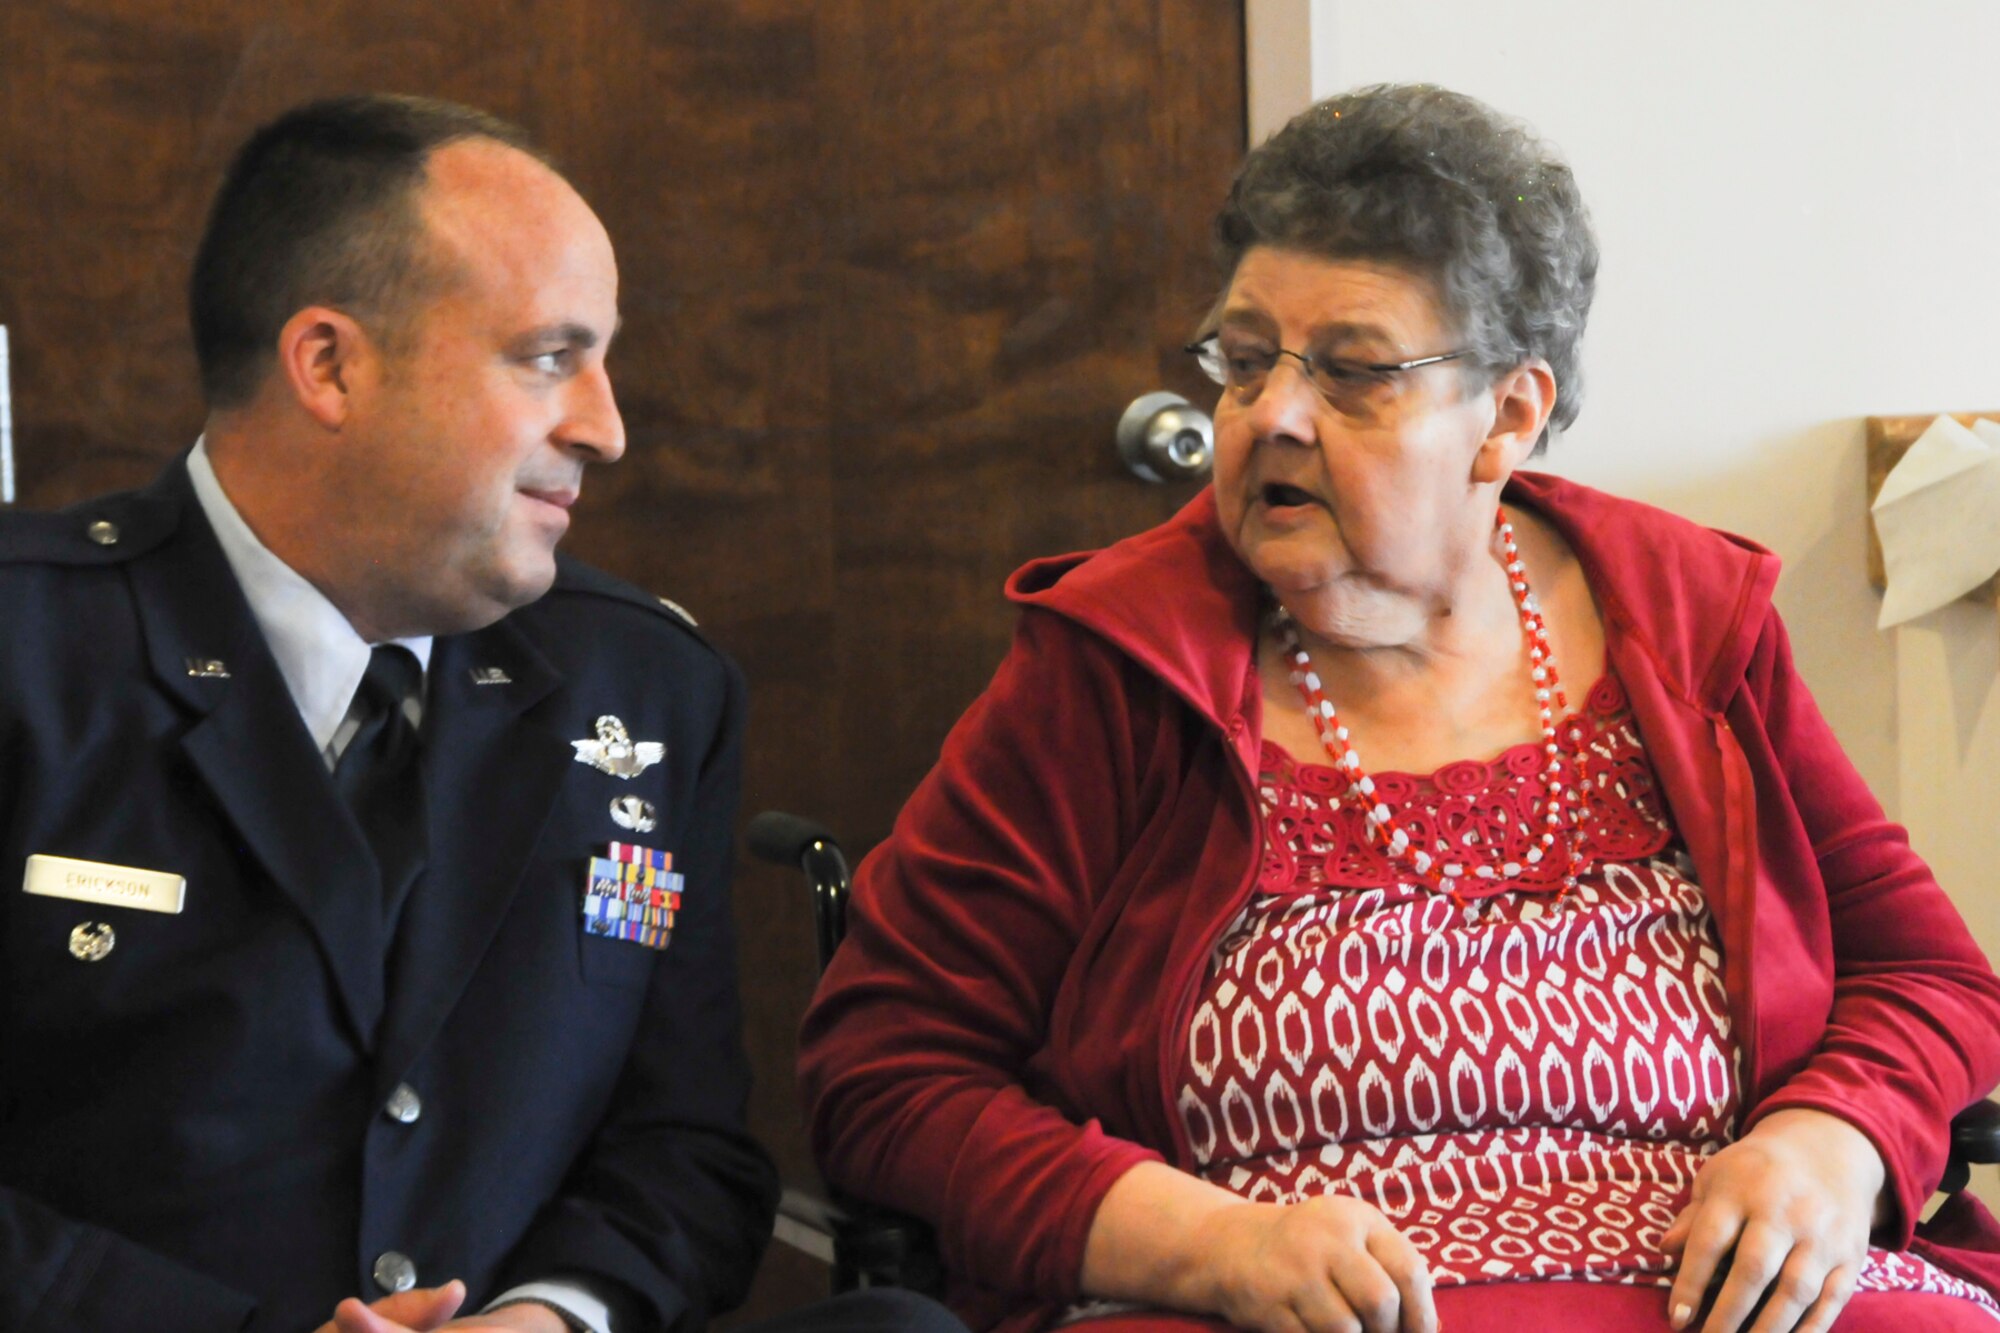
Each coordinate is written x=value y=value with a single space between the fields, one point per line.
x=1682 y=1313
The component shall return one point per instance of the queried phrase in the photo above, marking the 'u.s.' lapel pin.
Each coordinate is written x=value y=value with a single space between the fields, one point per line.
x=490 y=676
x=614 y=751
x=208 y=668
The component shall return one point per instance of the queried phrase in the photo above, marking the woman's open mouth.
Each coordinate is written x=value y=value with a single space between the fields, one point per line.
x=1277 y=495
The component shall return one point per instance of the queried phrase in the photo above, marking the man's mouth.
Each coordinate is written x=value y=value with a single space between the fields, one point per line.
x=561 y=499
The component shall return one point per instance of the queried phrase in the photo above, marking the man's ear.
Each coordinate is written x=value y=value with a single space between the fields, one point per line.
x=321 y=352
x=1522 y=400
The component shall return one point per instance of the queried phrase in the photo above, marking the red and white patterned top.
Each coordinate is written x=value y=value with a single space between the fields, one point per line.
x=1524 y=1093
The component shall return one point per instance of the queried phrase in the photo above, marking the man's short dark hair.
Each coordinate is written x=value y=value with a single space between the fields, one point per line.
x=320 y=208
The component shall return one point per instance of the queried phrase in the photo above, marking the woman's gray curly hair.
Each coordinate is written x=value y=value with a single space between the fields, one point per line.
x=1445 y=186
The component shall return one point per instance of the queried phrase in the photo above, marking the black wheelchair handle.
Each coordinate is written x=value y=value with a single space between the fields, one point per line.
x=784 y=839
x=791 y=840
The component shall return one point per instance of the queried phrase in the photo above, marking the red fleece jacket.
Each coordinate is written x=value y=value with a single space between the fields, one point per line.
x=999 y=1037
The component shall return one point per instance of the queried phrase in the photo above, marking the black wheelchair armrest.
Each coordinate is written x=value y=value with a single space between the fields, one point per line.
x=866 y=1245
x=1975 y=1140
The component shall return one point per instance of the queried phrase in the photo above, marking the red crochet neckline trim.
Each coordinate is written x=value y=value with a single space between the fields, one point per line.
x=1473 y=805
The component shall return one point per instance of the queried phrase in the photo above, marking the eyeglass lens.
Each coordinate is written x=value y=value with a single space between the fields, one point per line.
x=1243 y=367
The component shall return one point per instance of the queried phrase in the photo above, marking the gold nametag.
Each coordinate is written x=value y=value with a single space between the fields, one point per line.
x=100 y=882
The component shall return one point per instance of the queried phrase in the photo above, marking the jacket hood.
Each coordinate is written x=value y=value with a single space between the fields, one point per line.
x=1178 y=601
x=1174 y=598
x=1694 y=599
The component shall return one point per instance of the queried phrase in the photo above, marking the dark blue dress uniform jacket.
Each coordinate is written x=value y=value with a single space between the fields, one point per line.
x=192 y=1129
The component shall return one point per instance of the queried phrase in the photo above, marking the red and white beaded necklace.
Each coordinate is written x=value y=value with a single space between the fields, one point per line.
x=1458 y=879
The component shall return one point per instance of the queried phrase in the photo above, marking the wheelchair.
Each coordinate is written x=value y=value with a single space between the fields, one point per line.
x=866 y=1245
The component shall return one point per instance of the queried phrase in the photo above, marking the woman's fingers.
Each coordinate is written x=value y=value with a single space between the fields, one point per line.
x=1284 y=1320
x=1370 y=1278
x=1675 y=1235
x=1779 y=1219
x=1367 y=1288
x=1318 y=1308
x=1331 y=1264
x=1795 y=1290
x=1760 y=1255
x=1834 y=1293
x=1707 y=1236
x=1405 y=1265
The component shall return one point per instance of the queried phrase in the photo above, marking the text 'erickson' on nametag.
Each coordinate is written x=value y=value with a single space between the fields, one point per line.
x=101 y=882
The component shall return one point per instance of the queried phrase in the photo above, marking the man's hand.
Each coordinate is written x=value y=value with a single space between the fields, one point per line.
x=420 y=1309
x=1794 y=1200
x=430 y=1310
x=525 y=1317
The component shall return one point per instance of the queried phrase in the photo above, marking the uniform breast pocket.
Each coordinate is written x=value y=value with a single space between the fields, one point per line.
x=609 y=962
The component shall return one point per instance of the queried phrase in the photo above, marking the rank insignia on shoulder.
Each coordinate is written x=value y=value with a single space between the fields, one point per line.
x=632 y=893
x=612 y=750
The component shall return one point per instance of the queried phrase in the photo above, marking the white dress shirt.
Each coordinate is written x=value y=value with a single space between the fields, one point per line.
x=322 y=660
x=320 y=656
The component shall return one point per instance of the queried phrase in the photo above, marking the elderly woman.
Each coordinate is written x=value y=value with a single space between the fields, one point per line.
x=1403 y=889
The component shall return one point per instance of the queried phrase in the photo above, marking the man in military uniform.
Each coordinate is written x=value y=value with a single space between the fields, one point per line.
x=374 y=942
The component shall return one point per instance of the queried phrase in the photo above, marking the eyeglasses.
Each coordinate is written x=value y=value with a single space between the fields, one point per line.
x=1356 y=388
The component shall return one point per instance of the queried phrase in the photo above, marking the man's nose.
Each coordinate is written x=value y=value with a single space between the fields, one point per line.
x=593 y=425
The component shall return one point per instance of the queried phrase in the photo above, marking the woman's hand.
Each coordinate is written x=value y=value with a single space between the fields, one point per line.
x=1328 y=1265
x=1794 y=1198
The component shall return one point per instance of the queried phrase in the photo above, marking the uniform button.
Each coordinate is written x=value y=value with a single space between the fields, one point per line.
x=104 y=532
x=404 y=1105
x=395 y=1272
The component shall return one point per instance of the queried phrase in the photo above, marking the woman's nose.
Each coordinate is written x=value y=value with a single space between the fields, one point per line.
x=1285 y=405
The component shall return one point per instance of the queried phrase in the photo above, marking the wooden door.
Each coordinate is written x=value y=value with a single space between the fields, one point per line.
x=891 y=270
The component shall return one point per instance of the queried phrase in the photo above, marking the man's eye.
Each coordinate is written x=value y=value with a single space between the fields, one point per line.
x=550 y=363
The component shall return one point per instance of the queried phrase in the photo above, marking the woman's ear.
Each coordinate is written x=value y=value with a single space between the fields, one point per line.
x=319 y=352
x=1522 y=400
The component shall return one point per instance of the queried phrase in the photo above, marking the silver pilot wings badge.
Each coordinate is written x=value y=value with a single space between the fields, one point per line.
x=614 y=751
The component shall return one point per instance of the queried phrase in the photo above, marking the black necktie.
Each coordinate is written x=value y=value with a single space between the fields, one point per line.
x=379 y=776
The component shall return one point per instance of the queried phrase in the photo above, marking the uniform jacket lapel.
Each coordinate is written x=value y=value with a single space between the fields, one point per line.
x=494 y=762
x=250 y=747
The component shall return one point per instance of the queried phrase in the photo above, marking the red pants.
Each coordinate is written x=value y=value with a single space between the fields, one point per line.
x=1587 y=1307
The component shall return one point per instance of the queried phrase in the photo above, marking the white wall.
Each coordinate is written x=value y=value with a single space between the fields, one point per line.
x=1798 y=203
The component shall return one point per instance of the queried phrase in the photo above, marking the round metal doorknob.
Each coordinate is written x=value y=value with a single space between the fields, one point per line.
x=1164 y=437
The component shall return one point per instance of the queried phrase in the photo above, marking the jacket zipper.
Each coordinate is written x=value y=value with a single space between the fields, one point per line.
x=1173 y=1039
x=1739 y=838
